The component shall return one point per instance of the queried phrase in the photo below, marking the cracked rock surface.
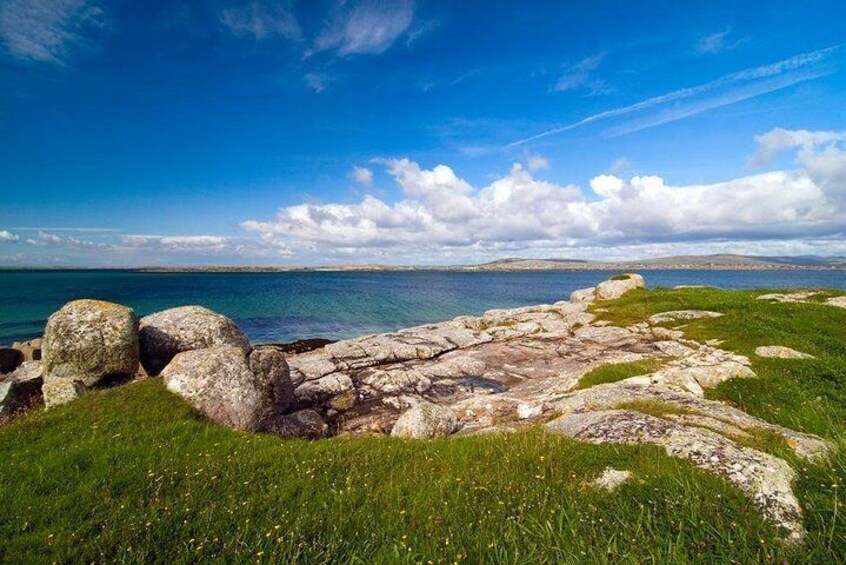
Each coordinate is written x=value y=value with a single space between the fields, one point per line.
x=517 y=367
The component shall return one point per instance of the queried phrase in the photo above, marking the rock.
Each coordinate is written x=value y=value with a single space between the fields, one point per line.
x=10 y=359
x=166 y=333
x=90 y=341
x=306 y=424
x=611 y=479
x=31 y=349
x=584 y=295
x=426 y=420
x=676 y=315
x=21 y=389
x=838 y=301
x=269 y=366
x=801 y=296
x=780 y=352
x=764 y=478
x=527 y=410
x=60 y=390
x=615 y=288
x=315 y=393
x=221 y=385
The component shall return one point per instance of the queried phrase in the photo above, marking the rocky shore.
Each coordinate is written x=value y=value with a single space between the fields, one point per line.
x=493 y=373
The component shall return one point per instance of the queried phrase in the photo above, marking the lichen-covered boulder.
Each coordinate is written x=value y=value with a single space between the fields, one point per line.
x=21 y=388
x=166 y=333
x=269 y=366
x=57 y=391
x=618 y=286
x=220 y=383
x=426 y=420
x=88 y=341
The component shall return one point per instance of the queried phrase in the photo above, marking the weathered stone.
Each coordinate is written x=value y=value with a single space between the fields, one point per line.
x=584 y=295
x=316 y=392
x=611 y=479
x=676 y=315
x=801 y=296
x=764 y=478
x=305 y=424
x=613 y=289
x=269 y=366
x=780 y=352
x=10 y=359
x=60 y=390
x=21 y=388
x=90 y=341
x=31 y=349
x=838 y=301
x=167 y=333
x=220 y=384
x=426 y=420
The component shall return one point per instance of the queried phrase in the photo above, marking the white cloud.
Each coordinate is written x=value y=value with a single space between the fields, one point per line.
x=725 y=90
x=537 y=163
x=365 y=27
x=443 y=214
x=316 y=82
x=580 y=77
x=777 y=140
x=717 y=42
x=362 y=175
x=262 y=19
x=620 y=164
x=7 y=236
x=48 y=31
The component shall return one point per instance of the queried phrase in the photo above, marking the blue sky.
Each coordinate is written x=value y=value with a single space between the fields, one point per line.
x=223 y=132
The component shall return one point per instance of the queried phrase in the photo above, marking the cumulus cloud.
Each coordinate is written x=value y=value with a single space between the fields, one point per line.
x=441 y=212
x=362 y=175
x=6 y=236
x=365 y=27
x=48 y=31
x=262 y=19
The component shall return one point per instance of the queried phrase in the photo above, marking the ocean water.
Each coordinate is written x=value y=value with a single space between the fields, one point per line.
x=280 y=307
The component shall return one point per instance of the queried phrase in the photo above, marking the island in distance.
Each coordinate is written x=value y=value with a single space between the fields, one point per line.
x=677 y=262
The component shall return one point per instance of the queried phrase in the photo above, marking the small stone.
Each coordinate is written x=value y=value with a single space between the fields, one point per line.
x=780 y=352
x=611 y=479
x=426 y=420
x=61 y=390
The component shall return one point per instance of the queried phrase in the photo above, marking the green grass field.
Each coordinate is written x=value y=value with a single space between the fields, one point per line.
x=130 y=474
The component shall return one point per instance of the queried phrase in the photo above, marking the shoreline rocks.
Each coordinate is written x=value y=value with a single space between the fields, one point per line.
x=86 y=343
x=165 y=334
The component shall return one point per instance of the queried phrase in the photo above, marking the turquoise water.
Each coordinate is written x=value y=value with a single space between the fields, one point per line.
x=278 y=307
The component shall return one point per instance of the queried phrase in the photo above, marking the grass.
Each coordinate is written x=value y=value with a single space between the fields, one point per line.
x=618 y=371
x=131 y=475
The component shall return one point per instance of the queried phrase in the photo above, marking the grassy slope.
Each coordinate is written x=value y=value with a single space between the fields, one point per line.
x=130 y=474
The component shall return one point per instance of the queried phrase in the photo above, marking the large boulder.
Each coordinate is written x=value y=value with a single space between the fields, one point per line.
x=220 y=383
x=88 y=342
x=617 y=286
x=187 y=328
x=426 y=420
x=10 y=359
x=21 y=389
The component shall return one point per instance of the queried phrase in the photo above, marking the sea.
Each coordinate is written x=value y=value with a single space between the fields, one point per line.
x=284 y=307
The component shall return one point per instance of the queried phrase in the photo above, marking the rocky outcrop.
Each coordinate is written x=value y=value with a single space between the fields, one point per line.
x=86 y=343
x=21 y=389
x=617 y=286
x=682 y=315
x=780 y=352
x=31 y=349
x=426 y=420
x=764 y=478
x=232 y=388
x=165 y=334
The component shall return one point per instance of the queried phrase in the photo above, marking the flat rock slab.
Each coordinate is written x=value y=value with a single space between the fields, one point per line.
x=780 y=352
x=676 y=315
x=764 y=478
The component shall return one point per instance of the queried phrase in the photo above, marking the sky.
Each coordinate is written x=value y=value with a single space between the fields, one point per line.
x=415 y=132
